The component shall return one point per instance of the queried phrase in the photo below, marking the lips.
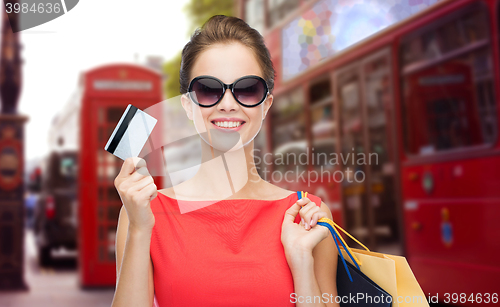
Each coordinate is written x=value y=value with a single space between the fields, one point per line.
x=228 y=123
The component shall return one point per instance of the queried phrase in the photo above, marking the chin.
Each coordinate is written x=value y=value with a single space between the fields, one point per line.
x=227 y=140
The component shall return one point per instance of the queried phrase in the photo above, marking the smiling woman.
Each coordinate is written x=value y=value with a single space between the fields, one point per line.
x=225 y=237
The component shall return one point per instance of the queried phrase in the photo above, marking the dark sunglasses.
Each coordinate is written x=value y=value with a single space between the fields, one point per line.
x=248 y=91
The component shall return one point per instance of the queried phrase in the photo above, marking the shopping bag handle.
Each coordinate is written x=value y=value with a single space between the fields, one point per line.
x=332 y=226
x=335 y=239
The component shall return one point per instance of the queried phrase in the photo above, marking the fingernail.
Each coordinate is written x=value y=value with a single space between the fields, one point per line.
x=302 y=220
x=311 y=223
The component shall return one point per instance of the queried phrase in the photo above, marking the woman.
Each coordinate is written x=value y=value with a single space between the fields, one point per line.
x=244 y=247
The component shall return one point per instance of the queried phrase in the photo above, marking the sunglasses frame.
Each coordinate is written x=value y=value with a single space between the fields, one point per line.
x=228 y=86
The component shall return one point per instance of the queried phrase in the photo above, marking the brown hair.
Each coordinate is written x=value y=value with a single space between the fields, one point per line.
x=224 y=29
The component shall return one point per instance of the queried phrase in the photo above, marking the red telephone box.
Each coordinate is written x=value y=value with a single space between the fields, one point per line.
x=106 y=92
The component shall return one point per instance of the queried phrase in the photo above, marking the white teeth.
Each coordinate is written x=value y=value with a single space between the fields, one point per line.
x=228 y=124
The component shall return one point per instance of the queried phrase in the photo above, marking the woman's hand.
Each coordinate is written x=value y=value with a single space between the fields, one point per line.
x=300 y=239
x=136 y=189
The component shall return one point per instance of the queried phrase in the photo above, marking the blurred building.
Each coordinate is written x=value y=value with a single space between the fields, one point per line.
x=155 y=62
x=64 y=130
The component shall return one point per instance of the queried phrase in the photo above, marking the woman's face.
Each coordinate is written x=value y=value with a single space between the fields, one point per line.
x=227 y=62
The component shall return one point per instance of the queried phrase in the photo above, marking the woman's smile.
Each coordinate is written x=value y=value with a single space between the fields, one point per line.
x=228 y=123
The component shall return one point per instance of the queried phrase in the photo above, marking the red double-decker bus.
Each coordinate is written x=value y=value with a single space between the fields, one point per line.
x=415 y=88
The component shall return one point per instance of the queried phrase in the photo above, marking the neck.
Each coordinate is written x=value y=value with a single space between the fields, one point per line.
x=226 y=174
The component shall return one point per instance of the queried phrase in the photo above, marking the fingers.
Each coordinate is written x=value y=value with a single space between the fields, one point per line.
x=129 y=166
x=306 y=205
x=310 y=214
x=155 y=193
x=141 y=168
x=138 y=162
x=291 y=213
x=303 y=201
x=316 y=216
x=142 y=183
x=147 y=193
x=134 y=182
x=130 y=171
x=139 y=174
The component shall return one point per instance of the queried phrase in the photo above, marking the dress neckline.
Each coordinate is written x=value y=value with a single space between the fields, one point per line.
x=235 y=199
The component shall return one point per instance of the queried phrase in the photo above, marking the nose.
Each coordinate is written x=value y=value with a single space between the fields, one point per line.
x=228 y=103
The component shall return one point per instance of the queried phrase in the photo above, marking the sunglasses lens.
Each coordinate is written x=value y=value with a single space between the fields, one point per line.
x=207 y=91
x=250 y=91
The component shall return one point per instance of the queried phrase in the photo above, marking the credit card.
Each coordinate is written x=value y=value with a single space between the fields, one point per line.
x=131 y=133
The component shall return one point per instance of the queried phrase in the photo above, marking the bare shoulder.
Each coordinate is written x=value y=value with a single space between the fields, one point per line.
x=264 y=191
x=183 y=190
x=168 y=192
x=327 y=210
x=271 y=191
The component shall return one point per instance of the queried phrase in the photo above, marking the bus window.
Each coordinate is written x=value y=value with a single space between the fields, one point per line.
x=289 y=133
x=322 y=124
x=366 y=148
x=448 y=98
x=278 y=10
x=352 y=144
x=380 y=161
x=288 y=119
x=260 y=151
x=450 y=40
x=475 y=26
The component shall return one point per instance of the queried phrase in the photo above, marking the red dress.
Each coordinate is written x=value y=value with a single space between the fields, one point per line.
x=225 y=254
